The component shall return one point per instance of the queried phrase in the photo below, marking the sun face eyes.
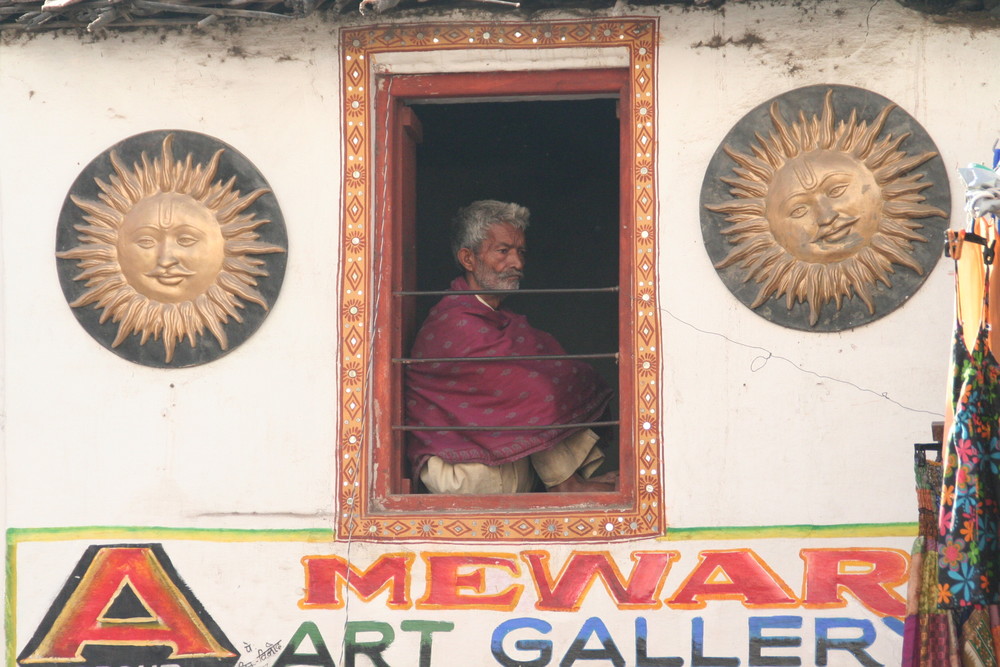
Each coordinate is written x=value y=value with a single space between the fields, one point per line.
x=837 y=190
x=183 y=240
x=833 y=192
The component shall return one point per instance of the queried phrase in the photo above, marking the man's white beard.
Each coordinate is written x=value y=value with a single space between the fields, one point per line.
x=489 y=279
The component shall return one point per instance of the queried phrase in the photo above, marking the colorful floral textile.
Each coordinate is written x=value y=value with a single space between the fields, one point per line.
x=968 y=544
x=929 y=637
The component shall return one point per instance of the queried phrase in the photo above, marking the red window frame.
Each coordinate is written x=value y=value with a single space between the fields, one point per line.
x=374 y=497
x=395 y=152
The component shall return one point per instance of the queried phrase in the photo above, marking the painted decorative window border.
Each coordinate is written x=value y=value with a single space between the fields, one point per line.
x=353 y=518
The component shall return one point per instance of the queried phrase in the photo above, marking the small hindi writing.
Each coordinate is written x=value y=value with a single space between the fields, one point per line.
x=263 y=654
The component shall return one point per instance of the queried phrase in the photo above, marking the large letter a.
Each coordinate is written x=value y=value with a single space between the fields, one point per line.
x=127 y=599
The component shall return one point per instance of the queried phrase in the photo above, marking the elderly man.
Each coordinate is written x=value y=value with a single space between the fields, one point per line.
x=488 y=244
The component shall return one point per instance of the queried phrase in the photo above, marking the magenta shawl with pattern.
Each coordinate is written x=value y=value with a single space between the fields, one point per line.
x=492 y=393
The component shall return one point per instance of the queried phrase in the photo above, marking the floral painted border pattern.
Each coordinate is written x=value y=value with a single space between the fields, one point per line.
x=353 y=521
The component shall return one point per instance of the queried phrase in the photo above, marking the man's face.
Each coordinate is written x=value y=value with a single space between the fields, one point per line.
x=499 y=264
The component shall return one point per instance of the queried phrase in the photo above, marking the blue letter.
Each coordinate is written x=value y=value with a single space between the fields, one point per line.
x=698 y=658
x=577 y=651
x=642 y=658
x=855 y=647
x=543 y=646
x=758 y=641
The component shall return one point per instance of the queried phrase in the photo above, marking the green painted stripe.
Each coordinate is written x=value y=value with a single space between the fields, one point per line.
x=10 y=604
x=163 y=532
x=313 y=535
x=794 y=531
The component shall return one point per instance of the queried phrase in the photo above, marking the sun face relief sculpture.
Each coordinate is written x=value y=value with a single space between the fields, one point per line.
x=170 y=248
x=168 y=251
x=823 y=206
x=821 y=210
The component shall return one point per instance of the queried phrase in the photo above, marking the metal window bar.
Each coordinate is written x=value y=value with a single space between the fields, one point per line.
x=507 y=292
x=524 y=357
x=571 y=290
x=404 y=361
x=534 y=427
x=604 y=355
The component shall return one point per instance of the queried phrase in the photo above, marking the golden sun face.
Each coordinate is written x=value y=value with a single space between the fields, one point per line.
x=170 y=248
x=167 y=253
x=821 y=211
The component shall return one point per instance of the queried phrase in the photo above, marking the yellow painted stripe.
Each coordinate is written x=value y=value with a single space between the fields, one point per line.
x=10 y=603
x=793 y=531
x=163 y=533
x=319 y=535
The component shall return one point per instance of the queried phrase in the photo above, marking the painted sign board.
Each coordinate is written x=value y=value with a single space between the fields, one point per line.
x=187 y=598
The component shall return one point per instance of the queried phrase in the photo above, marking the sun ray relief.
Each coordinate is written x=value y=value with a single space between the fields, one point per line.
x=168 y=251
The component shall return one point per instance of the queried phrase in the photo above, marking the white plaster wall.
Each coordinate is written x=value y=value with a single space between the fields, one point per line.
x=247 y=441
x=806 y=437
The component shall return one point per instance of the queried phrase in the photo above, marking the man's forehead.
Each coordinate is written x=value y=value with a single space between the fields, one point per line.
x=505 y=232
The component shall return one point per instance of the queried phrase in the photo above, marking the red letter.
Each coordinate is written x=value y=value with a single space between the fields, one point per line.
x=578 y=574
x=870 y=575
x=327 y=575
x=733 y=575
x=445 y=582
x=87 y=615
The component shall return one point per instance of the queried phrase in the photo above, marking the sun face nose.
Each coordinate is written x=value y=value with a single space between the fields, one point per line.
x=826 y=212
x=166 y=254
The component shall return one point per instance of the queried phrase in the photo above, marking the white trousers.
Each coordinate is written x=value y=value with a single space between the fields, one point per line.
x=577 y=453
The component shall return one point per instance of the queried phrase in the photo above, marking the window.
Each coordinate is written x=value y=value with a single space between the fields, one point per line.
x=394 y=246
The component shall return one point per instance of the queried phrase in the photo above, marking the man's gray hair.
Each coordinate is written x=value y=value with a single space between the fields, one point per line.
x=471 y=224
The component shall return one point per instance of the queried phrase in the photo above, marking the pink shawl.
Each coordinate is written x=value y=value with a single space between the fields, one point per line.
x=492 y=393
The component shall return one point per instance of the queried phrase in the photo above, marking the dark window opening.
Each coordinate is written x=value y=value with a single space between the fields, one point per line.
x=560 y=158
x=557 y=142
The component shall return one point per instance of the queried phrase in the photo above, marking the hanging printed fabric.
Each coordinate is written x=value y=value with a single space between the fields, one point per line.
x=969 y=518
x=929 y=636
